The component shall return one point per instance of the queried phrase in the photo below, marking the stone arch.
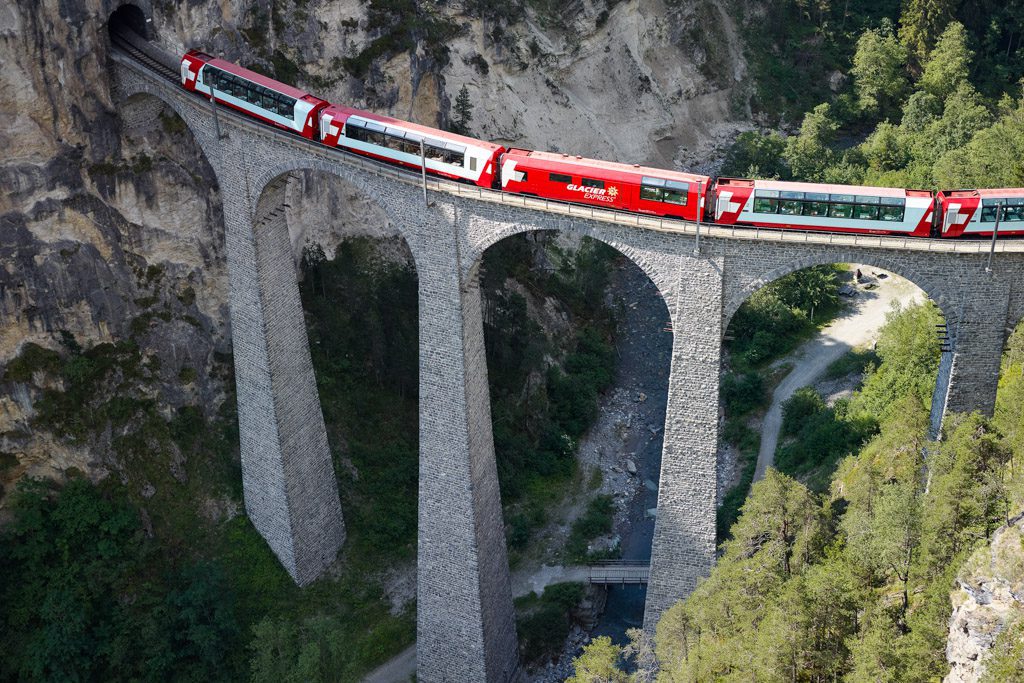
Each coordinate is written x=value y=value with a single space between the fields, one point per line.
x=350 y=175
x=936 y=293
x=637 y=257
x=132 y=16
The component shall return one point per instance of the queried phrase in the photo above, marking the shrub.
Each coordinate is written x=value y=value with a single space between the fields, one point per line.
x=742 y=393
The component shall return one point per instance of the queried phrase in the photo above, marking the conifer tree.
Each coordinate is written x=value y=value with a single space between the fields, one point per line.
x=463 y=112
x=921 y=23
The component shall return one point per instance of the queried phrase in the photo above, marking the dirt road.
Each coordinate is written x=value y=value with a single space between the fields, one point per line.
x=859 y=325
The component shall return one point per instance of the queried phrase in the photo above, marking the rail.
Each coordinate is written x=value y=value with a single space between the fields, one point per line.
x=618 y=573
x=132 y=56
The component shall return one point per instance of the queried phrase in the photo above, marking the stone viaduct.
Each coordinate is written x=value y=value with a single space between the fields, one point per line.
x=466 y=626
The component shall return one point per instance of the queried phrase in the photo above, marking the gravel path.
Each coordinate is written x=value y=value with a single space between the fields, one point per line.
x=859 y=325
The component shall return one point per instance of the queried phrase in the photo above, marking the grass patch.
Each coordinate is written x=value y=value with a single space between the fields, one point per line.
x=852 y=362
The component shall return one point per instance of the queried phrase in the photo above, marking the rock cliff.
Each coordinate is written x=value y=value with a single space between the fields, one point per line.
x=988 y=602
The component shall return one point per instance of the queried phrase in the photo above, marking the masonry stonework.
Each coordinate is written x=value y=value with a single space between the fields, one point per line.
x=465 y=620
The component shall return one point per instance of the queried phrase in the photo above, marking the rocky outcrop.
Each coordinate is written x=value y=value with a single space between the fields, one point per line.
x=989 y=599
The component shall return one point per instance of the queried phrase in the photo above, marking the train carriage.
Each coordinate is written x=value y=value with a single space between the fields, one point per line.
x=961 y=217
x=816 y=206
x=639 y=189
x=382 y=137
x=604 y=184
x=256 y=95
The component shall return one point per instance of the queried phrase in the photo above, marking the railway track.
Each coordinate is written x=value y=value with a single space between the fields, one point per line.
x=127 y=45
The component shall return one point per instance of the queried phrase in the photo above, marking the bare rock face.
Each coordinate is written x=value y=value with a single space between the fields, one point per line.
x=106 y=235
x=990 y=598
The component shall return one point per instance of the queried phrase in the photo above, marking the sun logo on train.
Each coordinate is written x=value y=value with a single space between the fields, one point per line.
x=613 y=191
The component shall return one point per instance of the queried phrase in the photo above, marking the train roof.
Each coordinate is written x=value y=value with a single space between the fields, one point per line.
x=825 y=188
x=260 y=79
x=337 y=109
x=557 y=160
x=990 y=192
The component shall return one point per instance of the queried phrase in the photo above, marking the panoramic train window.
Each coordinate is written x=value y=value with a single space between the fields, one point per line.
x=865 y=212
x=860 y=207
x=675 y=193
x=560 y=178
x=766 y=201
x=651 y=189
x=1013 y=209
x=816 y=204
x=790 y=203
x=891 y=209
x=841 y=206
x=590 y=182
x=255 y=94
x=669 y=191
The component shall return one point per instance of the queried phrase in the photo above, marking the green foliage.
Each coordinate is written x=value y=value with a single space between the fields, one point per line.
x=921 y=23
x=403 y=26
x=821 y=436
x=908 y=360
x=781 y=315
x=951 y=133
x=363 y=332
x=748 y=442
x=598 y=663
x=992 y=157
x=32 y=358
x=810 y=153
x=865 y=595
x=756 y=155
x=79 y=598
x=463 y=112
x=743 y=393
x=886 y=149
x=879 y=71
x=909 y=356
x=856 y=361
x=1006 y=664
x=318 y=649
x=948 y=64
x=539 y=410
x=544 y=622
x=725 y=621
x=793 y=46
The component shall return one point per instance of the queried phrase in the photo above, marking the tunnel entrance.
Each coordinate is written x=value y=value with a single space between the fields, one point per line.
x=128 y=19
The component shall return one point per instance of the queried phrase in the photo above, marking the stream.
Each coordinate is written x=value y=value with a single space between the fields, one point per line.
x=644 y=348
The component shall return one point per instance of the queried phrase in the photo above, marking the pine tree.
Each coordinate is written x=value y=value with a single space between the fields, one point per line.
x=921 y=23
x=463 y=112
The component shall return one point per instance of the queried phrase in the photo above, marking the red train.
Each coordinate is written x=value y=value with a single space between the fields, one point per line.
x=606 y=184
